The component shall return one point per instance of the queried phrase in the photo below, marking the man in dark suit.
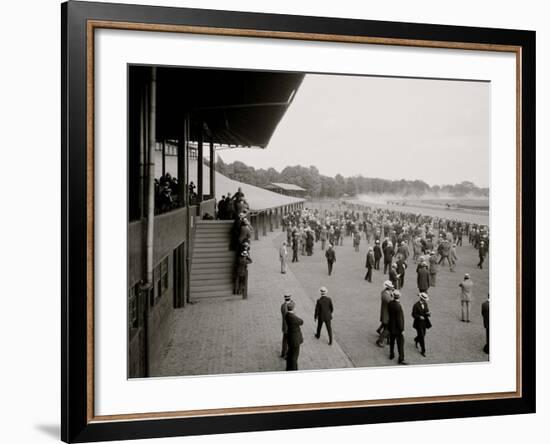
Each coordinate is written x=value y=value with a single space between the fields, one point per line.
x=284 y=311
x=421 y=314
x=294 y=337
x=330 y=254
x=388 y=256
x=369 y=264
x=323 y=314
x=485 y=314
x=396 y=326
x=423 y=277
x=385 y=298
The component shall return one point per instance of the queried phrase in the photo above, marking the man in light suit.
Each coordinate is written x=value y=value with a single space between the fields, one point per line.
x=283 y=253
x=294 y=337
x=323 y=314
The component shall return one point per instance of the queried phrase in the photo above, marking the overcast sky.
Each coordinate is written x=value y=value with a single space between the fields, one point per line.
x=434 y=130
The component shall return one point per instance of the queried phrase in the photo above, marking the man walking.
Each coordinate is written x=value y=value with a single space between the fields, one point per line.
x=323 y=314
x=284 y=311
x=453 y=257
x=393 y=276
x=323 y=236
x=485 y=315
x=466 y=297
x=388 y=256
x=423 y=277
x=283 y=253
x=369 y=265
x=482 y=250
x=330 y=254
x=396 y=326
x=377 y=254
x=421 y=314
x=294 y=337
x=385 y=298
x=401 y=267
x=433 y=268
x=295 y=248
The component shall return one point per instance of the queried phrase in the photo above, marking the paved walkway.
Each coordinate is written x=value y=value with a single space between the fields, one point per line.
x=235 y=335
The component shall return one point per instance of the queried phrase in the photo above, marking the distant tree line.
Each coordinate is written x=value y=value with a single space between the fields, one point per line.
x=318 y=185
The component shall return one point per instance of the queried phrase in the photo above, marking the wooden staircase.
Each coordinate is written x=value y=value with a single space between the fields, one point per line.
x=212 y=262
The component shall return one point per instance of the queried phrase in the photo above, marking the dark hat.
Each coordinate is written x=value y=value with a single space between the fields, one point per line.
x=287 y=297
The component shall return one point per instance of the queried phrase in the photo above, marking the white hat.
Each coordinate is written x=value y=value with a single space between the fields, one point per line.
x=388 y=284
x=424 y=296
x=323 y=290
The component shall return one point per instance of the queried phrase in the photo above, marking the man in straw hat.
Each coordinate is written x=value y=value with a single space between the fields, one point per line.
x=421 y=314
x=323 y=314
x=385 y=298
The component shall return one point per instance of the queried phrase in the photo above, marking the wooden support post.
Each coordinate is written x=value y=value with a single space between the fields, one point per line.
x=264 y=226
x=164 y=157
x=256 y=226
x=200 y=169
x=212 y=170
x=277 y=215
x=270 y=216
x=181 y=162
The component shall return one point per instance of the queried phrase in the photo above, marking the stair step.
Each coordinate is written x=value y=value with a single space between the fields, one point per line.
x=211 y=240
x=212 y=245
x=211 y=271
x=225 y=254
x=211 y=284
x=212 y=268
x=214 y=260
x=212 y=288
x=215 y=294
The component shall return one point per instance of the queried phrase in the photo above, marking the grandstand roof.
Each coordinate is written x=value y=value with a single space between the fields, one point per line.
x=258 y=198
x=286 y=186
x=233 y=108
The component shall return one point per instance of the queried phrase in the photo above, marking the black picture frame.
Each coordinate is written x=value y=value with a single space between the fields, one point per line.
x=76 y=423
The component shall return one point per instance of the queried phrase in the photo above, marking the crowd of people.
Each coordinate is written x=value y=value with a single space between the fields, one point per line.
x=166 y=197
x=394 y=239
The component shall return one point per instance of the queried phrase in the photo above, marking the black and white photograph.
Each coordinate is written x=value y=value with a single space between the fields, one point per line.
x=297 y=221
